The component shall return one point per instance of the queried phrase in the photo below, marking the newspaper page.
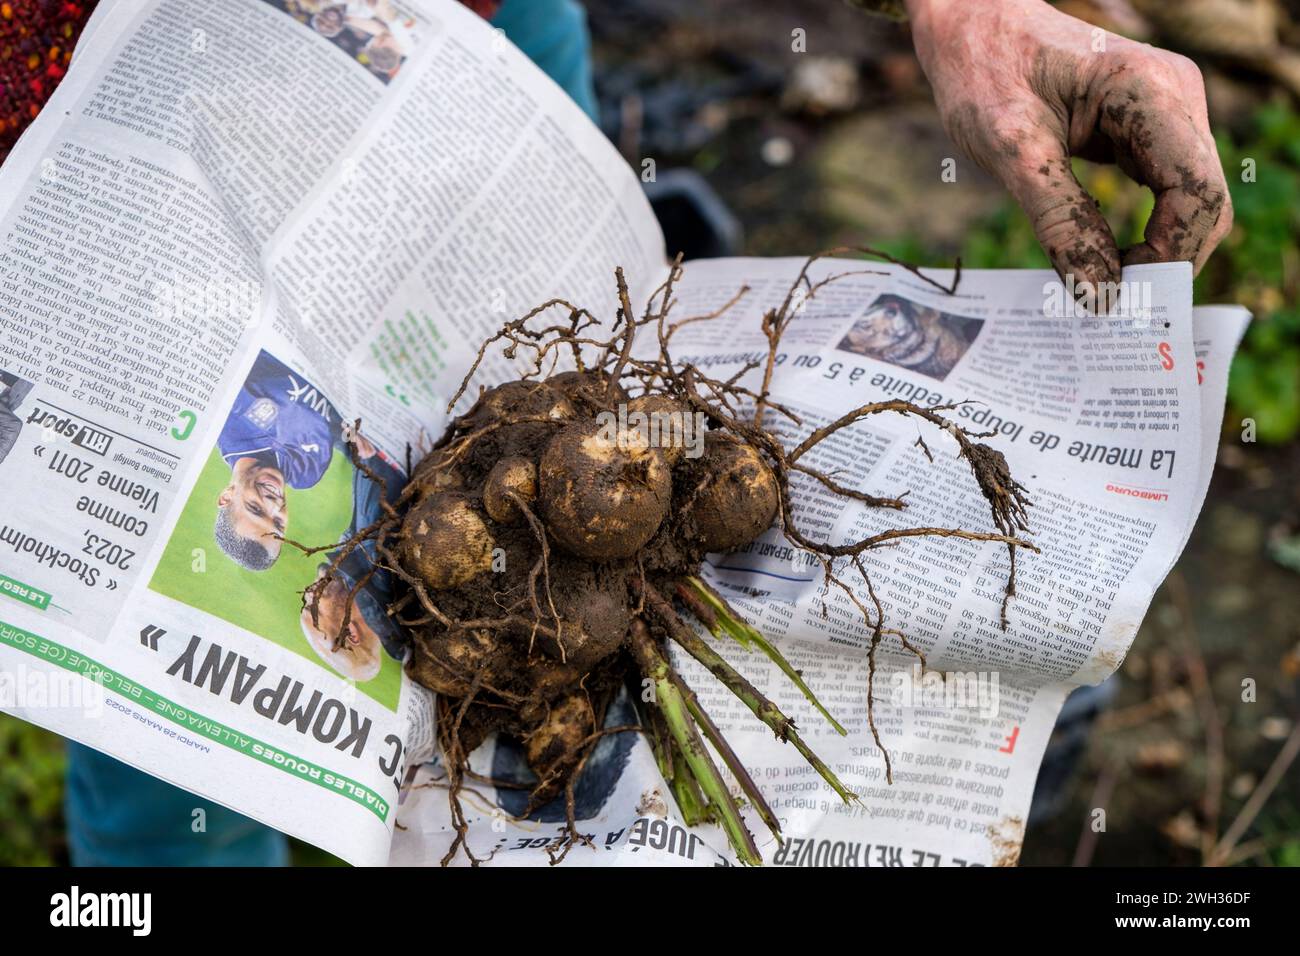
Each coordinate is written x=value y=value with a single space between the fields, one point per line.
x=217 y=254
x=237 y=229
x=1111 y=423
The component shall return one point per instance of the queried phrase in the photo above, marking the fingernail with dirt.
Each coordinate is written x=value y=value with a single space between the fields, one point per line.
x=1095 y=268
x=1141 y=254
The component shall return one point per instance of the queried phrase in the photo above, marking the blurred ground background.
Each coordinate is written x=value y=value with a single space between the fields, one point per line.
x=841 y=143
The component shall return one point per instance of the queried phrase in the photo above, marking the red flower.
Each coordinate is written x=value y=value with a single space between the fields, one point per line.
x=487 y=9
x=34 y=36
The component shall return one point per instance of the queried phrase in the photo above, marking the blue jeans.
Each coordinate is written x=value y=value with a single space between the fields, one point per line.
x=118 y=816
x=553 y=34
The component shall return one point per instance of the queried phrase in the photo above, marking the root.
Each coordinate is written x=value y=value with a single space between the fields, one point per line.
x=572 y=836
x=456 y=761
x=542 y=568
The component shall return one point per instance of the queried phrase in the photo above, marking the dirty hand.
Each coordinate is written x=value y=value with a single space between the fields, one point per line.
x=1023 y=87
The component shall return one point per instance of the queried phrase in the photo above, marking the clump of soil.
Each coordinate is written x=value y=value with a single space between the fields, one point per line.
x=548 y=545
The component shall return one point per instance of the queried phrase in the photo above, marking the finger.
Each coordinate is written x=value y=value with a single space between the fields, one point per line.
x=1172 y=153
x=1066 y=220
x=1192 y=211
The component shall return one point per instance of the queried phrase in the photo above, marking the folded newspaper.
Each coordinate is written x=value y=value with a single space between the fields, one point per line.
x=239 y=226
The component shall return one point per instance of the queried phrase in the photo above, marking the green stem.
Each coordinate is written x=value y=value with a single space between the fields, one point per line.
x=687 y=792
x=730 y=758
x=670 y=703
x=661 y=743
x=763 y=709
x=724 y=619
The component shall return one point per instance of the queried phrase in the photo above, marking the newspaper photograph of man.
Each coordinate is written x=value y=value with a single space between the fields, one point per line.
x=280 y=432
x=282 y=471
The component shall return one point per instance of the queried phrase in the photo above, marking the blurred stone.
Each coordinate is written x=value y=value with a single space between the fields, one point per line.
x=881 y=176
x=1232 y=455
x=1182 y=830
x=1239 y=28
x=1135 y=665
x=1231 y=100
x=1242 y=786
x=777 y=151
x=822 y=85
x=1274 y=728
x=1231 y=599
x=1117 y=16
x=1237 y=531
x=1243 y=32
x=1160 y=756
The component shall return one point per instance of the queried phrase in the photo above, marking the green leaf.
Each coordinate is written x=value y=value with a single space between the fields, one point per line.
x=1266 y=388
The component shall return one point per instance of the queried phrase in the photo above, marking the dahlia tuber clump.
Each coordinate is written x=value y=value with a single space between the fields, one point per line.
x=548 y=548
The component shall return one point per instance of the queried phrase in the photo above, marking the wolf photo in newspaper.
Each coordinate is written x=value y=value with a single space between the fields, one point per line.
x=285 y=466
x=912 y=336
x=548 y=550
x=378 y=34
